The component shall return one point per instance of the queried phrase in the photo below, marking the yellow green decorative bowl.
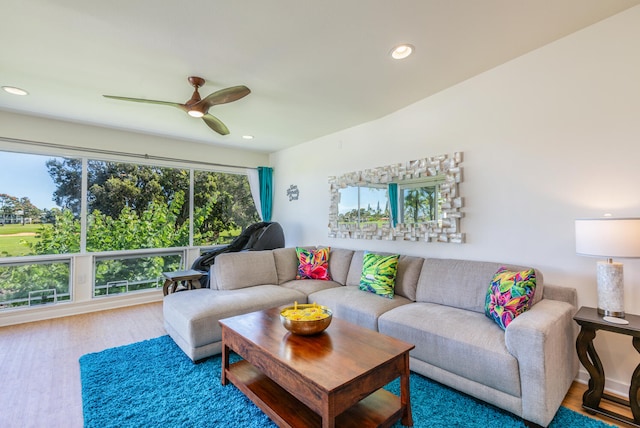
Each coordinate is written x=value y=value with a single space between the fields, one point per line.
x=306 y=319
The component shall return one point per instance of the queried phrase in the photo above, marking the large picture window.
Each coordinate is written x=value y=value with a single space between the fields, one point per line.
x=125 y=273
x=132 y=206
x=222 y=206
x=34 y=283
x=32 y=207
x=30 y=214
x=128 y=211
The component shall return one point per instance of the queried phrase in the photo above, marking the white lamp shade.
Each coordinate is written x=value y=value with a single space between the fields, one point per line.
x=608 y=237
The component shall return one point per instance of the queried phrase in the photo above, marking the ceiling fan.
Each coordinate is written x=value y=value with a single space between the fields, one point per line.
x=198 y=107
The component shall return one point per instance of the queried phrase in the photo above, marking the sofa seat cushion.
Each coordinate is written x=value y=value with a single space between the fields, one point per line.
x=309 y=286
x=459 y=341
x=356 y=306
x=194 y=314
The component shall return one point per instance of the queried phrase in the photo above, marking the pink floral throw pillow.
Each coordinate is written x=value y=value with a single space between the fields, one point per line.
x=509 y=295
x=313 y=264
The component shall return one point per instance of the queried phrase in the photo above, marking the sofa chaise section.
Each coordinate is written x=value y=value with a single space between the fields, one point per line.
x=191 y=318
x=241 y=283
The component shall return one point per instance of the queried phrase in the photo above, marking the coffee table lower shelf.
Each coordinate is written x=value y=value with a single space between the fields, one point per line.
x=380 y=409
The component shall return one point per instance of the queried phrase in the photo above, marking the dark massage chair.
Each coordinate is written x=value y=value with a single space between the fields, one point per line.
x=258 y=236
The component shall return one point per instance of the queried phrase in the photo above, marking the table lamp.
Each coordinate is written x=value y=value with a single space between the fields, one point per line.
x=610 y=238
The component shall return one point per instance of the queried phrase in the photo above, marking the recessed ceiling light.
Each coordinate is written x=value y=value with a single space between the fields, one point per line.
x=15 y=91
x=402 y=51
x=248 y=137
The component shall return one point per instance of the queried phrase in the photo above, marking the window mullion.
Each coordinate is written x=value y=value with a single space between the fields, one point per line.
x=84 y=189
x=191 y=204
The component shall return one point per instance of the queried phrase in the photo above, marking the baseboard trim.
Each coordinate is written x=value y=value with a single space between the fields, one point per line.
x=611 y=386
x=21 y=316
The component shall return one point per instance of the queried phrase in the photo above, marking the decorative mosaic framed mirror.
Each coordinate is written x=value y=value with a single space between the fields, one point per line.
x=414 y=201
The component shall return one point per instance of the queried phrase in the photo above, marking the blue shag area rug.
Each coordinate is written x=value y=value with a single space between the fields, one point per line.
x=153 y=384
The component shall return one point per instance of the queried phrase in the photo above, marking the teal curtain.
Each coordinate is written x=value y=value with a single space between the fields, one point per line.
x=265 y=177
x=393 y=203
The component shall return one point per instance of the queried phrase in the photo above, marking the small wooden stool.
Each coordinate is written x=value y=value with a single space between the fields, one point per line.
x=189 y=279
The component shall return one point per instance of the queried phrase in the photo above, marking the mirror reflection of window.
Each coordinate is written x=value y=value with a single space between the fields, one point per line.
x=348 y=205
x=419 y=203
x=374 y=205
x=360 y=205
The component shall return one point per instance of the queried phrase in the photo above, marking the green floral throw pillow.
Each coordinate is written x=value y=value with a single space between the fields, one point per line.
x=379 y=274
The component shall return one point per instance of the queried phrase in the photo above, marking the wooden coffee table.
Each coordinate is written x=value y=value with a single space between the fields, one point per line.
x=328 y=380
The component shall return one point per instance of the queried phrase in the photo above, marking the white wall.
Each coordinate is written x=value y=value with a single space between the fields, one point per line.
x=547 y=138
x=22 y=127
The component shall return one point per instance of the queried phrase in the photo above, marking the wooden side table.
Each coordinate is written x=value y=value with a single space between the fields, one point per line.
x=590 y=322
x=189 y=279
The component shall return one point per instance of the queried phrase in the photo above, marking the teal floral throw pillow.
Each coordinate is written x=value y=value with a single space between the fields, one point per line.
x=509 y=295
x=379 y=274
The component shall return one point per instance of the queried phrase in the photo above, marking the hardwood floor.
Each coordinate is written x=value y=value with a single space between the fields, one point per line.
x=39 y=370
x=573 y=401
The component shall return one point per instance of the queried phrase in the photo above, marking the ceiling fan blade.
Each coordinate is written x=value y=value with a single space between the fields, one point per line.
x=215 y=124
x=140 y=100
x=224 y=96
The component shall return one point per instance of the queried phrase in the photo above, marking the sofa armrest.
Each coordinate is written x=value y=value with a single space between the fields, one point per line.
x=542 y=340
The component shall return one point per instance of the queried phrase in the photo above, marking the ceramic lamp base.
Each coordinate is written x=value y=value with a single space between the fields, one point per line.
x=610 y=289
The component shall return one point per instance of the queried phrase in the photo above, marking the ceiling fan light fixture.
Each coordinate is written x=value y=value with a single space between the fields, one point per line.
x=198 y=107
x=402 y=51
x=15 y=91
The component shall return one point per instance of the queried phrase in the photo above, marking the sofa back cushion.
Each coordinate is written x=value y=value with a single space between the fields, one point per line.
x=243 y=269
x=286 y=263
x=355 y=269
x=462 y=283
x=409 y=268
x=339 y=264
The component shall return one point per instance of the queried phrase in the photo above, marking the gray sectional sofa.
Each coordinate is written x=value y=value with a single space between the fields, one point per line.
x=438 y=306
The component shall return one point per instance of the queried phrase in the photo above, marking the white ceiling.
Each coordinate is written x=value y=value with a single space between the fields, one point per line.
x=314 y=67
